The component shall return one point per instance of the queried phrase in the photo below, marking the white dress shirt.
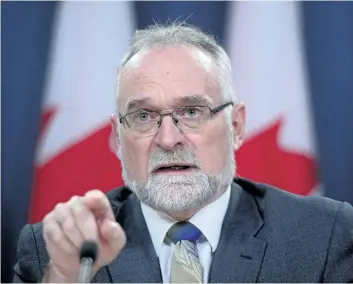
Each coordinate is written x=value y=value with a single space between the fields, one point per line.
x=208 y=220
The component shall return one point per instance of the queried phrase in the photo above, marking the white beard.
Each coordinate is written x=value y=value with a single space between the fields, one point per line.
x=172 y=194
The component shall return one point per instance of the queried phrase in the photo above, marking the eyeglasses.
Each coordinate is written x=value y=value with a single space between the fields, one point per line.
x=188 y=118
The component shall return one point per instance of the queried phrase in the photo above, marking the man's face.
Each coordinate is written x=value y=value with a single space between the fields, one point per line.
x=161 y=80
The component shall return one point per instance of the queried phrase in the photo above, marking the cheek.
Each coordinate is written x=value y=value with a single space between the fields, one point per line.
x=135 y=155
x=212 y=149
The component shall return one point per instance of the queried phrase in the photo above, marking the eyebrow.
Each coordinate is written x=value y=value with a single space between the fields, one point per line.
x=135 y=103
x=196 y=99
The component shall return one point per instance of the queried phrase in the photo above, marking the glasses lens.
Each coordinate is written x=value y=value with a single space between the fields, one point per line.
x=141 y=121
x=192 y=117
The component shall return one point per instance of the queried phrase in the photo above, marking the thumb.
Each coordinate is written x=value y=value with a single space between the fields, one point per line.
x=112 y=234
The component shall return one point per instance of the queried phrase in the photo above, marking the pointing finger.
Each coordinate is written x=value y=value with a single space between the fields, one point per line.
x=98 y=203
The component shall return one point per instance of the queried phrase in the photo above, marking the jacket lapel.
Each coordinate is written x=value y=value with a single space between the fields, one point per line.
x=239 y=254
x=138 y=261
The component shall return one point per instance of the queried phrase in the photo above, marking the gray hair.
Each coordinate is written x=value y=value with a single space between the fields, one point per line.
x=183 y=34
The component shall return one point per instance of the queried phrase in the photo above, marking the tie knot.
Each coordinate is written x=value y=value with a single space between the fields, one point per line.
x=183 y=231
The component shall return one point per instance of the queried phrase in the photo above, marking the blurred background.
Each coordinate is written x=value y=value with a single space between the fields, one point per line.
x=293 y=66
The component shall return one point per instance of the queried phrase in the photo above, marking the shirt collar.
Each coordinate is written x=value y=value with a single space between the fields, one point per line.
x=209 y=220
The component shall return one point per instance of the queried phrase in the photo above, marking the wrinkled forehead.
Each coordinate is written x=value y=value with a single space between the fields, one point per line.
x=169 y=73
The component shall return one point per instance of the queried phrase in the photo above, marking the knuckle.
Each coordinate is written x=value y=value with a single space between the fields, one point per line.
x=74 y=198
x=94 y=193
x=62 y=213
x=59 y=207
x=78 y=209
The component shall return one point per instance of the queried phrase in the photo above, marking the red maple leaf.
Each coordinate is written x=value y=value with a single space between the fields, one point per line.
x=262 y=159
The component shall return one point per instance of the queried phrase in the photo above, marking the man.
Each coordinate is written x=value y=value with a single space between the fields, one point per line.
x=182 y=216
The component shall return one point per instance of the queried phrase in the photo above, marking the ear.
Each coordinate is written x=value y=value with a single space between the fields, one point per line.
x=238 y=124
x=115 y=139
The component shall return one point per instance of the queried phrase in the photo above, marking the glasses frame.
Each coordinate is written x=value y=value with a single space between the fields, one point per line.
x=213 y=111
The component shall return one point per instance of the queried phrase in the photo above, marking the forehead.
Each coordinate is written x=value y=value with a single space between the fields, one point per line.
x=168 y=73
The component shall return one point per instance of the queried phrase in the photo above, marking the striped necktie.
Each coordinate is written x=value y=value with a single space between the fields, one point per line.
x=185 y=264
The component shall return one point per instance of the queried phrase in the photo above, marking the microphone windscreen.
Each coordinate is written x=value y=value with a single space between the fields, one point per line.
x=89 y=249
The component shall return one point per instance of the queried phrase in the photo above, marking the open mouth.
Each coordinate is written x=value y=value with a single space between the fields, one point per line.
x=174 y=168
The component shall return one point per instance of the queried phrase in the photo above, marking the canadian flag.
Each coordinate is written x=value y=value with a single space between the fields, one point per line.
x=90 y=38
x=266 y=49
x=74 y=155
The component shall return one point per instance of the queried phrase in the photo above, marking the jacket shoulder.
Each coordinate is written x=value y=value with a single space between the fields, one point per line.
x=310 y=236
x=273 y=199
x=296 y=215
x=320 y=206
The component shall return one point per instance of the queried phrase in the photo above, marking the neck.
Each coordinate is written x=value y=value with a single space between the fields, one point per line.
x=187 y=214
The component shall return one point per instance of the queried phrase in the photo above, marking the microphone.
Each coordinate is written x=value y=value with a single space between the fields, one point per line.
x=88 y=254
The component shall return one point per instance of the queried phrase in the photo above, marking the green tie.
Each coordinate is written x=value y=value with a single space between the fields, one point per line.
x=185 y=264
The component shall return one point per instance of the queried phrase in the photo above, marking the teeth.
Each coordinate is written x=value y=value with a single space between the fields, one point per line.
x=174 y=168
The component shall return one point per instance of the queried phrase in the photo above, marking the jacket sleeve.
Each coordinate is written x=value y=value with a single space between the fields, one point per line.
x=339 y=262
x=27 y=268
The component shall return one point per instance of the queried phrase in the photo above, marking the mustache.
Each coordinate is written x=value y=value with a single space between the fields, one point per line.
x=177 y=155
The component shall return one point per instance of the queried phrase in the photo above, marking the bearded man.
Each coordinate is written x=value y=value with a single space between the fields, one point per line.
x=184 y=215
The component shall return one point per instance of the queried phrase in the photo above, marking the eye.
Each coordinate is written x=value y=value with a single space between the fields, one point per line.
x=190 y=112
x=142 y=116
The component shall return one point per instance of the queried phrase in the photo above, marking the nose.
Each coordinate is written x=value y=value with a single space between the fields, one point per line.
x=169 y=135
